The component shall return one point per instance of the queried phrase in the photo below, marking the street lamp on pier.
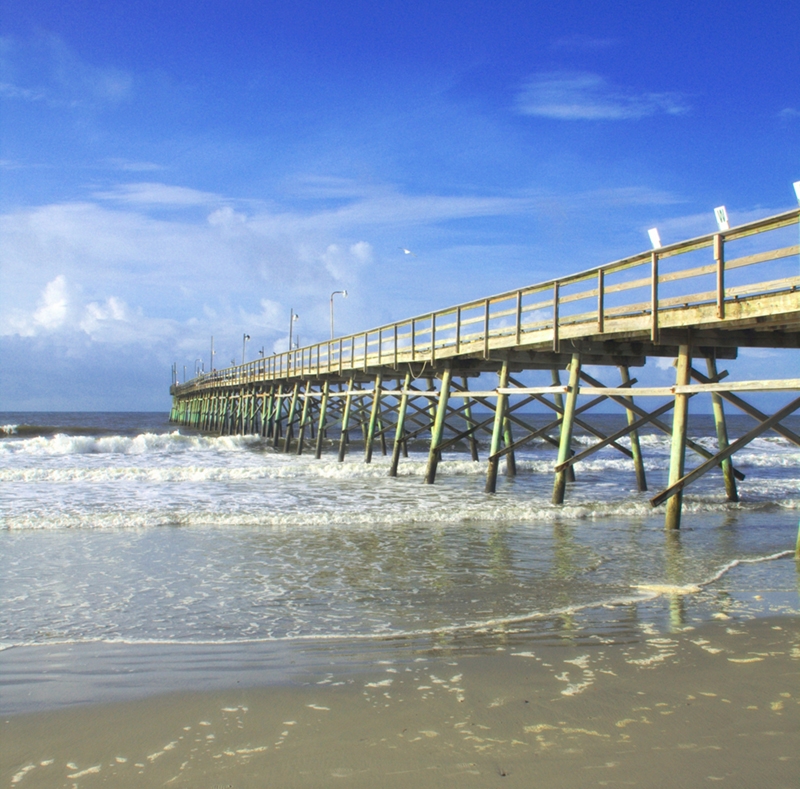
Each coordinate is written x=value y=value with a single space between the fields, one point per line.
x=344 y=296
x=293 y=316
x=245 y=338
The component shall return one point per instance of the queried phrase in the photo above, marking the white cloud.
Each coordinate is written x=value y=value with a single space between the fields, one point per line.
x=578 y=95
x=97 y=316
x=52 y=310
x=789 y=112
x=227 y=218
x=339 y=261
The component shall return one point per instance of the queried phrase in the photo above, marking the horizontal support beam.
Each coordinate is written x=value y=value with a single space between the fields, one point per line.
x=776 y=385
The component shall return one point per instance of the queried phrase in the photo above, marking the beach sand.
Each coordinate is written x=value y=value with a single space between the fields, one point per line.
x=715 y=705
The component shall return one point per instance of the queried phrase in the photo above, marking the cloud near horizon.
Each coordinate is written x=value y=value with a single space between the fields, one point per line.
x=151 y=270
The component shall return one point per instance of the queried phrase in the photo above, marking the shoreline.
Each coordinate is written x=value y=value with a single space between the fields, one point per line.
x=719 y=702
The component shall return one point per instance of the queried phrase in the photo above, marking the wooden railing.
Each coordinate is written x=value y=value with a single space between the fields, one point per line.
x=589 y=303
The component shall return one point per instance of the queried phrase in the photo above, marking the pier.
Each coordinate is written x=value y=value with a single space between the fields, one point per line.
x=425 y=378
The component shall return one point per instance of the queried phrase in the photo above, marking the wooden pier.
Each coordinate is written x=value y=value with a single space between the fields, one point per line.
x=696 y=301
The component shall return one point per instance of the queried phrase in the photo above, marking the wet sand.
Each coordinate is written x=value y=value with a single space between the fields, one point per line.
x=715 y=705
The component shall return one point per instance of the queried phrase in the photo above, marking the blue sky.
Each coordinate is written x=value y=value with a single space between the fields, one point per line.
x=173 y=170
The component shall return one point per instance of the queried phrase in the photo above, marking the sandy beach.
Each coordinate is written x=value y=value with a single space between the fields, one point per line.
x=715 y=704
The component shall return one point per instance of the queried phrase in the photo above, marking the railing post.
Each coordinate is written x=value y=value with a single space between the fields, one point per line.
x=654 y=296
x=556 y=338
x=486 y=306
x=719 y=257
x=601 y=297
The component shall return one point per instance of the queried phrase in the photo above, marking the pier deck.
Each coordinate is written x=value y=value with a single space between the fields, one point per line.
x=703 y=298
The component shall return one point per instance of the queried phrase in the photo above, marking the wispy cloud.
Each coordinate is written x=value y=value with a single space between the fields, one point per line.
x=47 y=70
x=582 y=43
x=789 y=112
x=158 y=194
x=571 y=95
x=126 y=165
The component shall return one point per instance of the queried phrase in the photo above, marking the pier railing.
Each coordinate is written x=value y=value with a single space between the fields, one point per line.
x=672 y=286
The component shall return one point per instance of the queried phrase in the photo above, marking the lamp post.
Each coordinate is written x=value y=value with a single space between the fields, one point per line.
x=344 y=296
x=245 y=338
x=211 y=365
x=293 y=316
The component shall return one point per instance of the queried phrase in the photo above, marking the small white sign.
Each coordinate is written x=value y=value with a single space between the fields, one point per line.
x=655 y=239
x=797 y=190
x=721 y=216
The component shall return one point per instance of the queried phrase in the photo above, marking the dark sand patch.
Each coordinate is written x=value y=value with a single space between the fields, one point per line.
x=717 y=705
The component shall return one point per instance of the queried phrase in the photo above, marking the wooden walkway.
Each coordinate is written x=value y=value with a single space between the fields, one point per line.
x=409 y=381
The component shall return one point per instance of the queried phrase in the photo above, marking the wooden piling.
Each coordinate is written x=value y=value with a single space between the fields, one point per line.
x=290 y=416
x=323 y=410
x=399 y=430
x=301 y=431
x=567 y=422
x=497 y=431
x=373 y=417
x=677 y=458
x=511 y=458
x=346 y=419
x=438 y=427
x=722 y=435
x=638 y=462
x=473 y=442
x=558 y=399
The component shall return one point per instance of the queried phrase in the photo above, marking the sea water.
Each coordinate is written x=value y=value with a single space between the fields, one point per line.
x=120 y=532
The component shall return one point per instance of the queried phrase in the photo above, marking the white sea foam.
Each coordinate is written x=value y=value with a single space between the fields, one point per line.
x=64 y=444
x=313 y=514
x=280 y=547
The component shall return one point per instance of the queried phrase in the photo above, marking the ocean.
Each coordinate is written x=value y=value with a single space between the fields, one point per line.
x=129 y=544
